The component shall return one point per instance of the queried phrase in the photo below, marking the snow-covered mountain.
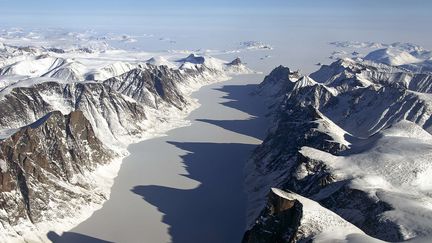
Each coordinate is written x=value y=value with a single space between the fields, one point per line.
x=63 y=66
x=393 y=57
x=353 y=138
x=404 y=55
x=66 y=118
x=160 y=61
x=418 y=60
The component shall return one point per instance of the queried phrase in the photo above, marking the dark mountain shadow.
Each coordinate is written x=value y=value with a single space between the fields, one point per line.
x=242 y=99
x=70 y=237
x=192 y=214
x=255 y=127
x=360 y=145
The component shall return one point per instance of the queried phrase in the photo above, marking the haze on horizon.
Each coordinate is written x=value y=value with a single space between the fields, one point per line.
x=299 y=30
x=370 y=19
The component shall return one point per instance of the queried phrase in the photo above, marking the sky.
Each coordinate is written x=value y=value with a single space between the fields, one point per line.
x=291 y=26
x=97 y=12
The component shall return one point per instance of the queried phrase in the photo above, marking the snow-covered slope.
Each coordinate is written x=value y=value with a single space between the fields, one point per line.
x=418 y=60
x=394 y=57
x=404 y=55
x=356 y=138
x=160 y=61
x=32 y=66
x=54 y=66
x=110 y=70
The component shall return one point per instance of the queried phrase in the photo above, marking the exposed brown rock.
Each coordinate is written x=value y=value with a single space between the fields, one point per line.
x=54 y=148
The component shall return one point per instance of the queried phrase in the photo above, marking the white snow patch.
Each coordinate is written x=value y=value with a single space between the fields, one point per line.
x=3 y=166
x=7 y=132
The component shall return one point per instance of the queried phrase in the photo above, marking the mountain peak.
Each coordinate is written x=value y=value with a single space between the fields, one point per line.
x=195 y=59
x=235 y=62
x=280 y=72
x=160 y=61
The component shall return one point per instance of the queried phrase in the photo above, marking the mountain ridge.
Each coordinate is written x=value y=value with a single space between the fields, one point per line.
x=341 y=138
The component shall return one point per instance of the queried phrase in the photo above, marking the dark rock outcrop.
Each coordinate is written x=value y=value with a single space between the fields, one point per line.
x=235 y=62
x=277 y=223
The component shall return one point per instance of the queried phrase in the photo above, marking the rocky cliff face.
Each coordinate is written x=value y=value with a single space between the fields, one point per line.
x=330 y=142
x=278 y=222
x=45 y=164
x=151 y=85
